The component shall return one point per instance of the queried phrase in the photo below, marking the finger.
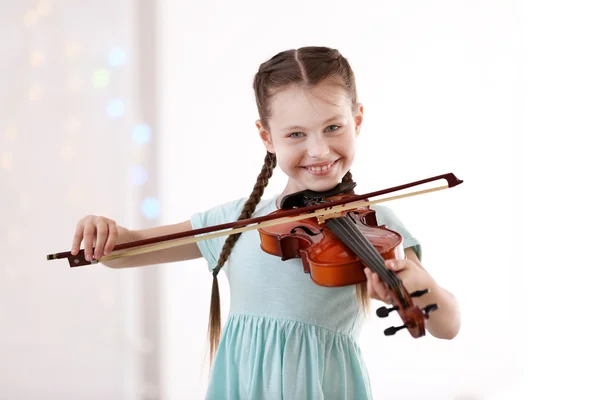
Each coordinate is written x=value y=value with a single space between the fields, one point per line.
x=77 y=238
x=378 y=286
x=101 y=236
x=88 y=238
x=113 y=234
x=396 y=265
x=370 y=291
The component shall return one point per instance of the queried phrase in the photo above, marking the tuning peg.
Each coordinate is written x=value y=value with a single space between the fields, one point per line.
x=419 y=293
x=429 y=309
x=392 y=330
x=383 y=312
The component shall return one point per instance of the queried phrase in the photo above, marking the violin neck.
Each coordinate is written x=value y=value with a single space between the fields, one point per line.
x=346 y=230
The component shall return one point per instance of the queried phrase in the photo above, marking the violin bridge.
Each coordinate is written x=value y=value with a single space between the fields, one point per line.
x=322 y=218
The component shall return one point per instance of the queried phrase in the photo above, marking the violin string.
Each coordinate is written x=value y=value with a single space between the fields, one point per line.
x=350 y=234
x=392 y=279
x=376 y=260
x=369 y=247
x=348 y=230
x=351 y=241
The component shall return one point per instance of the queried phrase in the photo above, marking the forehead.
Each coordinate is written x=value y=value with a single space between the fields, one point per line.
x=308 y=105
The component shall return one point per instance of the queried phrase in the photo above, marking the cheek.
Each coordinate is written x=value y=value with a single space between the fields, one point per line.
x=288 y=156
x=347 y=147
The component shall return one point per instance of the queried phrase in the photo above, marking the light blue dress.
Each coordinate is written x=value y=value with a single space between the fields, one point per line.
x=285 y=337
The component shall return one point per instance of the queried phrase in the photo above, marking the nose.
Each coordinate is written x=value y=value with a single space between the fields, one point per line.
x=318 y=147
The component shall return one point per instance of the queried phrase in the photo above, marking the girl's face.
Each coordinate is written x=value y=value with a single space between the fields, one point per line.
x=313 y=134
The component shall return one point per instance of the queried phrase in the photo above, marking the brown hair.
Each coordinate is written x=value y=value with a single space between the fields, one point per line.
x=306 y=66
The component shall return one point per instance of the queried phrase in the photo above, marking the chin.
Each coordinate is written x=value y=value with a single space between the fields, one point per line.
x=321 y=185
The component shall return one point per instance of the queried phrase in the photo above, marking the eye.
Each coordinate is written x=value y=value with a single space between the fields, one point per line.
x=332 y=126
x=295 y=134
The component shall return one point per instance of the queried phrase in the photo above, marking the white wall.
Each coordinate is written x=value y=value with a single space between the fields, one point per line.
x=441 y=87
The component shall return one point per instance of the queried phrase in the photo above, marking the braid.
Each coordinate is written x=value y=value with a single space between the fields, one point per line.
x=214 y=323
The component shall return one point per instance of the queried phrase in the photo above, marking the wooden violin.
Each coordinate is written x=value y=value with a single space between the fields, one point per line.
x=336 y=248
x=335 y=233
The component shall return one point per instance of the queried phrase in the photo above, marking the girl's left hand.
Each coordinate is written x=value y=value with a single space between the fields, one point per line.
x=413 y=277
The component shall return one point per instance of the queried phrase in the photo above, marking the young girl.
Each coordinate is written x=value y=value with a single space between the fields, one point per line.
x=287 y=337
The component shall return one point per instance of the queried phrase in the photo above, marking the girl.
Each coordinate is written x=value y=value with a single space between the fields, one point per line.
x=285 y=336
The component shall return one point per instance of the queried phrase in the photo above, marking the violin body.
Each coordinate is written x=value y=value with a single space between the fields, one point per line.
x=328 y=260
x=336 y=249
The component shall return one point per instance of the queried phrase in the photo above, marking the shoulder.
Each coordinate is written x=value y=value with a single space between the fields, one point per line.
x=221 y=214
x=386 y=215
x=228 y=212
x=224 y=212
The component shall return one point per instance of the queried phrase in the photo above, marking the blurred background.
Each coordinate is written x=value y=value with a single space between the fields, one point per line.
x=143 y=112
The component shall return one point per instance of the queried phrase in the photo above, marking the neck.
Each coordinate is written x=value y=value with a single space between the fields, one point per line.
x=293 y=187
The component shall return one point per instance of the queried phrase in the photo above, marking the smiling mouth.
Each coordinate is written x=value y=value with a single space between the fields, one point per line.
x=320 y=168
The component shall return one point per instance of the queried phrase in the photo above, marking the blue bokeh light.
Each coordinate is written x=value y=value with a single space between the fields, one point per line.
x=115 y=108
x=139 y=175
x=141 y=134
x=150 y=208
x=116 y=57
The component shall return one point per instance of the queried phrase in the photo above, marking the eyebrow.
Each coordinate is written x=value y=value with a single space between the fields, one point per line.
x=339 y=116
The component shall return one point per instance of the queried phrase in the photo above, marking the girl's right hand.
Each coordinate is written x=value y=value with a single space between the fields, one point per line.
x=99 y=234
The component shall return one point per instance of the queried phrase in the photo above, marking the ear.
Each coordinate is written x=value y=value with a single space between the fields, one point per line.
x=358 y=118
x=265 y=136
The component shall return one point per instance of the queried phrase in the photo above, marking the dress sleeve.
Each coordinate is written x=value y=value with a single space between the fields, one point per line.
x=385 y=216
x=221 y=214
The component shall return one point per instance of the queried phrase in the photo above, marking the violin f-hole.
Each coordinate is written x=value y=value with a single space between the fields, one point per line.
x=306 y=230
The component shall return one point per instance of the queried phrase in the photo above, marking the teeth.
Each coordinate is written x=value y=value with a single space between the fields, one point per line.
x=320 y=169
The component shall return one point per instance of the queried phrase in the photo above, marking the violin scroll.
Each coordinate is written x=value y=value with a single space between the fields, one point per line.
x=412 y=317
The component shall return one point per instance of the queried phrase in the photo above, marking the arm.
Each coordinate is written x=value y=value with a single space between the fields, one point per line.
x=105 y=233
x=444 y=323
x=180 y=253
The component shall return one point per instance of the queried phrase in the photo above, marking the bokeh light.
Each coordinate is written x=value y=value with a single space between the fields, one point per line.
x=139 y=175
x=100 y=78
x=116 y=57
x=35 y=92
x=141 y=134
x=150 y=208
x=115 y=108
x=6 y=160
x=36 y=58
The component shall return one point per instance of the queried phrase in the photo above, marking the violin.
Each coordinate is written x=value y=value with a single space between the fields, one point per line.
x=335 y=234
x=335 y=248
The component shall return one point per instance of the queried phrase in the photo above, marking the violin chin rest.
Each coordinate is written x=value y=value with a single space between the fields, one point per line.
x=308 y=197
